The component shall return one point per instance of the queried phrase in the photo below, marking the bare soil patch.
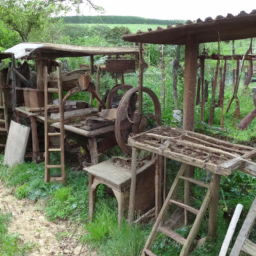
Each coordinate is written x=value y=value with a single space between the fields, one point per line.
x=51 y=238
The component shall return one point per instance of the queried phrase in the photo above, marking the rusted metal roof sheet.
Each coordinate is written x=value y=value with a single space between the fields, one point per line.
x=211 y=30
x=32 y=50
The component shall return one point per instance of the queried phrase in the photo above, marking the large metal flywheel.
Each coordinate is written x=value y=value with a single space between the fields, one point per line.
x=128 y=121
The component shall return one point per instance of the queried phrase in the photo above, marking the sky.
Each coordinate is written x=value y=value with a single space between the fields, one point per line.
x=170 y=9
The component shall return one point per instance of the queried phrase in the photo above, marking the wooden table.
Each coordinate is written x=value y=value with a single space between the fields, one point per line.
x=217 y=156
x=91 y=135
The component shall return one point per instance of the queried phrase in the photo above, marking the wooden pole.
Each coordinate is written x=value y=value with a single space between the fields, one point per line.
x=189 y=104
x=133 y=186
x=35 y=145
x=13 y=85
x=202 y=61
x=98 y=84
x=140 y=77
x=190 y=83
x=162 y=77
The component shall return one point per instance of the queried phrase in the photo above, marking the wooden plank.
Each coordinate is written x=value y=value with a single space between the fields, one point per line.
x=164 y=208
x=244 y=231
x=249 y=247
x=184 y=206
x=231 y=230
x=96 y=132
x=75 y=113
x=173 y=235
x=196 y=225
x=148 y=252
x=197 y=182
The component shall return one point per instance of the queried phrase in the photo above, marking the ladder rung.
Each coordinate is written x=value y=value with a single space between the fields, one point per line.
x=53 y=90
x=50 y=120
x=148 y=252
x=53 y=166
x=3 y=129
x=54 y=134
x=184 y=206
x=1 y=107
x=59 y=179
x=2 y=121
x=54 y=149
x=173 y=235
x=2 y=145
x=197 y=182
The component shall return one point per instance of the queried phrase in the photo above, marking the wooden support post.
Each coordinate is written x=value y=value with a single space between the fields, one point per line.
x=94 y=160
x=40 y=63
x=133 y=186
x=140 y=78
x=202 y=61
x=158 y=182
x=13 y=75
x=212 y=226
x=92 y=64
x=35 y=144
x=189 y=104
x=46 y=137
x=93 y=150
x=98 y=84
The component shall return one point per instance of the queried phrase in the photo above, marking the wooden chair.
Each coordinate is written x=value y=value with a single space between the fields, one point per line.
x=114 y=174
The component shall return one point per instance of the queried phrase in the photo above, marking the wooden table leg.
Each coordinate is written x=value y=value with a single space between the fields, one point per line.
x=158 y=182
x=35 y=144
x=93 y=150
x=213 y=215
x=120 y=199
x=94 y=160
x=133 y=186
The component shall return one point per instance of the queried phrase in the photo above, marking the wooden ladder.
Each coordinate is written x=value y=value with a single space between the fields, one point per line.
x=242 y=242
x=158 y=226
x=4 y=125
x=61 y=134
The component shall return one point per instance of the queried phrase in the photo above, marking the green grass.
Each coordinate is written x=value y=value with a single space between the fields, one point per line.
x=11 y=244
x=133 y=27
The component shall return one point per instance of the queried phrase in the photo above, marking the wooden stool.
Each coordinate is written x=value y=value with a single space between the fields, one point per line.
x=113 y=174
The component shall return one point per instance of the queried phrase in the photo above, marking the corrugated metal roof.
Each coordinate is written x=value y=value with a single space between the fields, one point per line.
x=31 y=50
x=211 y=30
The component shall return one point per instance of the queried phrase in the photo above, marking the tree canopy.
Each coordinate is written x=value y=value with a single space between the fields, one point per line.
x=23 y=16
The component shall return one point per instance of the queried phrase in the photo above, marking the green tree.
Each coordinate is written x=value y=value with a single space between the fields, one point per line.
x=24 y=16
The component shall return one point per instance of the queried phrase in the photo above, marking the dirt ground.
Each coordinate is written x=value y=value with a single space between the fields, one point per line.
x=51 y=238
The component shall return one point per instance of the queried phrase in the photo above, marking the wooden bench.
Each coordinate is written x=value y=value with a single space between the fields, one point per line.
x=116 y=174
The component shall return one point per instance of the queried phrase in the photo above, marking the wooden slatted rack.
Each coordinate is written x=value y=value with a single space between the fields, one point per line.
x=191 y=149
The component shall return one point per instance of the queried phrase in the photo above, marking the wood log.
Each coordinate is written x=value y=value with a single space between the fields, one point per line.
x=243 y=125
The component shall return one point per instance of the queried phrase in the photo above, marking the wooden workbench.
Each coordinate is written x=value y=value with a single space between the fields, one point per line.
x=91 y=135
x=214 y=155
